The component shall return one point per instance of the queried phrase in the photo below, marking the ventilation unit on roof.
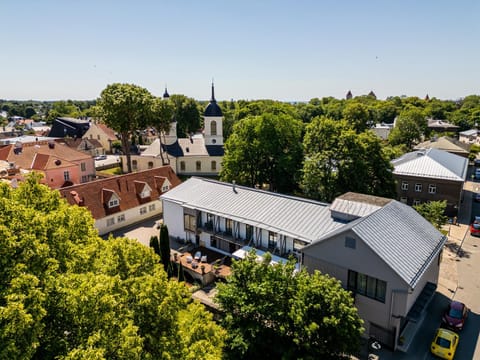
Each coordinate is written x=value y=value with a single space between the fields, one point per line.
x=51 y=145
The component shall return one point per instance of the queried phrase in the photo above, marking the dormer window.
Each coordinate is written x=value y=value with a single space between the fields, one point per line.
x=145 y=194
x=165 y=187
x=113 y=203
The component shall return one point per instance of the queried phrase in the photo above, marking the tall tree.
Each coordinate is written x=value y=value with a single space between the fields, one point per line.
x=264 y=149
x=155 y=245
x=165 y=248
x=162 y=116
x=338 y=159
x=409 y=128
x=186 y=114
x=66 y=293
x=275 y=310
x=125 y=108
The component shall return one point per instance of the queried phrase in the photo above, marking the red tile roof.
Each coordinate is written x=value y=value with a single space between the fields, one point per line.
x=109 y=132
x=96 y=194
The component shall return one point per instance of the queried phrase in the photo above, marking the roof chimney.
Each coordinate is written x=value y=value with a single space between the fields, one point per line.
x=233 y=187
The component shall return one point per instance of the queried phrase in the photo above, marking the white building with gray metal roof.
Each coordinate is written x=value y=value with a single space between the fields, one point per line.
x=380 y=249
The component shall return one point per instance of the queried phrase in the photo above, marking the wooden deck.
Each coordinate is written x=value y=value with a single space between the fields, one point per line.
x=214 y=264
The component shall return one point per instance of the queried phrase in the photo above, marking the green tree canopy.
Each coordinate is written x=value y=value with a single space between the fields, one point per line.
x=66 y=293
x=186 y=114
x=125 y=108
x=338 y=160
x=434 y=212
x=409 y=128
x=264 y=149
x=275 y=310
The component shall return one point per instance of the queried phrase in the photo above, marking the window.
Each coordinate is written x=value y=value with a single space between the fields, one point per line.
x=198 y=165
x=143 y=210
x=83 y=166
x=165 y=187
x=367 y=285
x=66 y=175
x=404 y=185
x=189 y=222
x=113 y=202
x=182 y=165
x=213 y=128
x=416 y=202
x=84 y=178
x=110 y=221
x=121 y=218
x=249 y=232
x=151 y=207
x=228 y=226
x=432 y=189
x=418 y=187
x=134 y=164
x=150 y=164
x=272 y=240
x=350 y=242
x=214 y=165
x=98 y=137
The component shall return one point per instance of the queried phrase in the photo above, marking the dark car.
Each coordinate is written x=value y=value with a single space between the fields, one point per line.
x=476 y=197
x=455 y=315
x=476 y=162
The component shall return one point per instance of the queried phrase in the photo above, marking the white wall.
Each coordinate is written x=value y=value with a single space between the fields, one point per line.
x=173 y=218
x=131 y=216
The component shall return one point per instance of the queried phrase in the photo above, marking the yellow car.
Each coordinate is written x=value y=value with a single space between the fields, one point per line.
x=445 y=343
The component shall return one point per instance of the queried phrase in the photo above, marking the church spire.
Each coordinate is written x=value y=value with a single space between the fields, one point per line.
x=213 y=93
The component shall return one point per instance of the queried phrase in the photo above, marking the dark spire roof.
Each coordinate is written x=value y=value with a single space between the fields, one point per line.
x=371 y=93
x=165 y=94
x=349 y=95
x=213 y=109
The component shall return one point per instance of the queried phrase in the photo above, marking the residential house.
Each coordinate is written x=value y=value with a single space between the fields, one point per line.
x=60 y=165
x=123 y=200
x=380 y=249
x=388 y=256
x=103 y=134
x=469 y=137
x=431 y=175
x=89 y=146
x=445 y=143
x=441 y=126
x=71 y=127
x=199 y=154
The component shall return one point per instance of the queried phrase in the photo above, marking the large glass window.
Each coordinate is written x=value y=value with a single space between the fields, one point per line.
x=189 y=222
x=272 y=240
x=432 y=188
x=366 y=285
x=228 y=226
x=248 y=232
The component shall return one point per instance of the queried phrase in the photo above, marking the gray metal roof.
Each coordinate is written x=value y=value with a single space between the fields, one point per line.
x=300 y=218
x=432 y=163
x=470 y=132
x=402 y=238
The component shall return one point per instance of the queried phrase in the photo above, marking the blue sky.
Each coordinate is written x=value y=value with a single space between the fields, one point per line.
x=283 y=50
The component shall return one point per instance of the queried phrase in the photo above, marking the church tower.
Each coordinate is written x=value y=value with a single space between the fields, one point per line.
x=213 y=122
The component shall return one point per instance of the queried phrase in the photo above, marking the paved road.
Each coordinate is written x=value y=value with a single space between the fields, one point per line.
x=460 y=280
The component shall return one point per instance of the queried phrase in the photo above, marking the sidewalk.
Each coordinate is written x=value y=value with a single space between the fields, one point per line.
x=448 y=277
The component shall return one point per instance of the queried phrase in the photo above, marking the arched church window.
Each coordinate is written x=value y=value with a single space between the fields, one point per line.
x=213 y=128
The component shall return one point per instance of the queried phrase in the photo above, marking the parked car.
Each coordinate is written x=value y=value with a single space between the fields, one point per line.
x=475 y=226
x=476 y=162
x=476 y=197
x=444 y=343
x=101 y=157
x=455 y=315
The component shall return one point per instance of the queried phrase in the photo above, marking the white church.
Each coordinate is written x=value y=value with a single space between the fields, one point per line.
x=201 y=154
